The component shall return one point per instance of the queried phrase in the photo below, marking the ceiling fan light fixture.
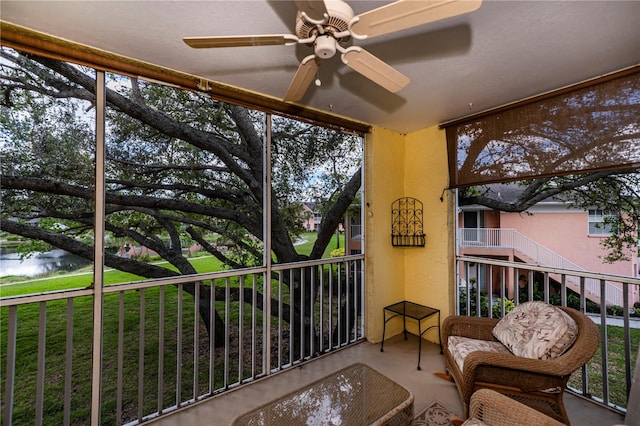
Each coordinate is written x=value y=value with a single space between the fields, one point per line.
x=325 y=46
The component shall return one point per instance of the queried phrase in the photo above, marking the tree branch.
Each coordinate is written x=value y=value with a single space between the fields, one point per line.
x=334 y=216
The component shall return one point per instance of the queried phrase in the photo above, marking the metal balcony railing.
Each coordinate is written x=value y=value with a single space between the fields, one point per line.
x=534 y=253
x=167 y=343
x=606 y=379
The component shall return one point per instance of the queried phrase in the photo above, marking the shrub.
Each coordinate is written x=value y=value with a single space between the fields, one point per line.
x=615 y=310
x=497 y=307
x=339 y=252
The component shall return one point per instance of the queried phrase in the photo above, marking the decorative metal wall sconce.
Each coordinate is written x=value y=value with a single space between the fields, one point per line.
x=406 y=223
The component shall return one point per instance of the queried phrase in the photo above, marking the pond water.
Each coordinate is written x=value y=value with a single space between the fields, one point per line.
x=39 y=263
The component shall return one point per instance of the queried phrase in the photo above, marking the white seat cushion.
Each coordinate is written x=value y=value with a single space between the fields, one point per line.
x=460 y=347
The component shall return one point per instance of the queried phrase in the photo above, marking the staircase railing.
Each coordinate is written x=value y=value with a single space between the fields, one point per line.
x=535 y=253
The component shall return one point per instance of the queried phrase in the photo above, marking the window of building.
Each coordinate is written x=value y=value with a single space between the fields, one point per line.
x=473 y=221
x=597 y=224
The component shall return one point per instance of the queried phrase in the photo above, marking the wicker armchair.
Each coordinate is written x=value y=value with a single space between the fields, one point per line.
x=494 y=409
x=537 y=383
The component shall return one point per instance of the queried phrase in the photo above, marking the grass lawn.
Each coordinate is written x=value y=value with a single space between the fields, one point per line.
x=133 y=363
x=149 y=315
x=615 y=366
x=84 y=278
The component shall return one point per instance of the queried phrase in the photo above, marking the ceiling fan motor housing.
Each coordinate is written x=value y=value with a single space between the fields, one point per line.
x=340 y=14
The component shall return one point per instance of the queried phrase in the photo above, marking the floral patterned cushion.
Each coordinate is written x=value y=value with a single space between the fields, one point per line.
x=460 y=347
x=536 y=330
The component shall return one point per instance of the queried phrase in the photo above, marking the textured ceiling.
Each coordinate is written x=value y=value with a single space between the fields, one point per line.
x=503 y=52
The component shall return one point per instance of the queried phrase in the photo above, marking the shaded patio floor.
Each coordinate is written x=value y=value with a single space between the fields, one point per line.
x=398 y=362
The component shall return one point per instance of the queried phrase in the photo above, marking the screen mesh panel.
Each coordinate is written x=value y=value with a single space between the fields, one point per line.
x=590 y=127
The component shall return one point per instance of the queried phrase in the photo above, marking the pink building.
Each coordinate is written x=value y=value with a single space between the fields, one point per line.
x=548 y=234
x=310 y=218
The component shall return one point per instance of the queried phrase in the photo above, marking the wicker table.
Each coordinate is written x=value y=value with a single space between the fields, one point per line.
x=356 y=395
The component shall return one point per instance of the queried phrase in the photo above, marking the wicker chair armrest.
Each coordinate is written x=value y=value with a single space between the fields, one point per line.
x=549 y=367
x=496 y=409
x=510 y=371
x=471 y=327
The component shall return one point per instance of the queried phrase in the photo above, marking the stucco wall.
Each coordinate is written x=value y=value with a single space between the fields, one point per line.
x=429 y=269
x=384 y=267
x=413 y=165
x=566 y=233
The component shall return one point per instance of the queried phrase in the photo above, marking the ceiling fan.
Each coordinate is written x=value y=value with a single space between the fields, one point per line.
x=330 y=25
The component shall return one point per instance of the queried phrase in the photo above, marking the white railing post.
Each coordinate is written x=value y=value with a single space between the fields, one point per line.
x=266 y=239
x=98 y=261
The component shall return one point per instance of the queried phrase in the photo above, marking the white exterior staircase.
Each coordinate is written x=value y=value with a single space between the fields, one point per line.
x=534 y=253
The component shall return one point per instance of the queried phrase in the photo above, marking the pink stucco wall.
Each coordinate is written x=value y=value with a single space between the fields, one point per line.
x=567 y=233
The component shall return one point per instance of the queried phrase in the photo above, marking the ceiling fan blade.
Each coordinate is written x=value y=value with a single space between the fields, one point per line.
x=240 y=41
x=404 y=14
x=374 y=69
x=315 y=9
x=302 y=80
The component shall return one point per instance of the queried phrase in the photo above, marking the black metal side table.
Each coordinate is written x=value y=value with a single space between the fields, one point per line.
x=414 y=311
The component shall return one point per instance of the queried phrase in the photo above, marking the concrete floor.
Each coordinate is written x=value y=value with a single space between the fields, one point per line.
x=398 y=362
